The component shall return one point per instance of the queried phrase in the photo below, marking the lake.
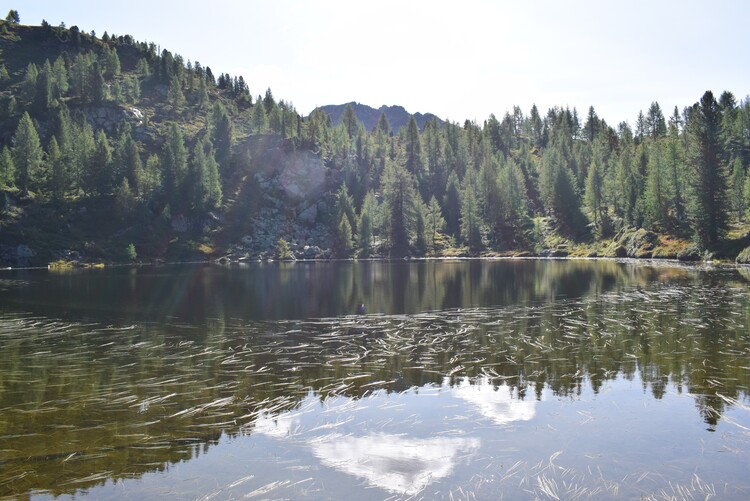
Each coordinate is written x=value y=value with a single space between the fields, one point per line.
x=467 y=379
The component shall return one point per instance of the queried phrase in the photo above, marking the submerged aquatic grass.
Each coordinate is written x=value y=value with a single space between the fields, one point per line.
x=603 y=395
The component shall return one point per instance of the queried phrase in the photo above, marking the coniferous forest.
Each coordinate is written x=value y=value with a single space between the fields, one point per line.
x=114 y=150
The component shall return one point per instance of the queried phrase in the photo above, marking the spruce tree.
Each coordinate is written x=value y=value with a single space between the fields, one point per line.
x=707 y=202
x=738 y=189
x=452 y=206
x=558 y=191
x=399 y=194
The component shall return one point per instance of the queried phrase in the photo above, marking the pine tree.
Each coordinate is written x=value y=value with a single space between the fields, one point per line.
x=349 y=119
x=471 y=212
x=13 y=17
x=204 y=187
x=27 y=154
x=268 y=101
x=383 y=125
x=58 y=182
x=367 y=224
x=43 y=98
x=100 y=178
x=452 y=206
x=707 y=203
x=434 y=223
x=222 y=136
x=345 y=207
x=342 y=242
x=124 y=199
x=259 y=118
x=558 y=192
x=513 y=222
x=28 y=86
x=7 y=169
x=738 y=189
x=400 y=196
x=151 y=182
x=654 y=124
x=174 y=160
x=60 y=78
x=675 y=166
x=656 y=196
x=413 y=148
x=175 y=95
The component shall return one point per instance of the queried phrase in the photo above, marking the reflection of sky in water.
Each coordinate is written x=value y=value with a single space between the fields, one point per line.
x=396 y=461
x=393 y=462
x=464 y=441
x=495 y=402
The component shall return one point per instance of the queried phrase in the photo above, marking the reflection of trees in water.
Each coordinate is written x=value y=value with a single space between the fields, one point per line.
x=115 y=403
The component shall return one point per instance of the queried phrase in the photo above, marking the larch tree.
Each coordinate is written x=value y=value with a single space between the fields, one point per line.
x=7 y=168
x=27 y=154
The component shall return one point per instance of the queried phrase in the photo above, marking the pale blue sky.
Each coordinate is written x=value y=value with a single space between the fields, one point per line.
x=457 y=60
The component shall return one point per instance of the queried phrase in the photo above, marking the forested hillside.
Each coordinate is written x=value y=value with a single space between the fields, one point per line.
x=113 y=149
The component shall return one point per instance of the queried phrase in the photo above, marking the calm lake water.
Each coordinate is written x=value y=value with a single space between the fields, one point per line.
x=512 y=379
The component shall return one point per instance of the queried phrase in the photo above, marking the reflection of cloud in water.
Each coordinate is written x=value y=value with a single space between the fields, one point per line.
x=279 y=426
x=496 y=403
x=392 y=462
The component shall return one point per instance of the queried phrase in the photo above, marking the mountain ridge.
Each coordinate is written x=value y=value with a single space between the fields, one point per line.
x=397 y=115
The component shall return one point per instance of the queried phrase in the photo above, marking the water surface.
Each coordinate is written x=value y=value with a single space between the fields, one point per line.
x=554 y=379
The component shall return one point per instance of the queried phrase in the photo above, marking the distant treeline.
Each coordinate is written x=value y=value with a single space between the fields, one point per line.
x=482 y=186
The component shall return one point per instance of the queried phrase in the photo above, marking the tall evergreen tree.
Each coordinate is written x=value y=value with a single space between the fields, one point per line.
x=222 y=136
x=707 y=204
x=738 y=189
x=203 y=185
x=471 y=212
x=342 y=242
x=512 y=223
x=58 y=182
x=7 y=168
x=345 y=207
x=399 y=194
x=100 y=178
x=452 y=206
x=434 y=223
x=27 y=154
x=174 y=160
x=656 y=196
x=367 y=224
x=559 y=195
x=654 y=124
